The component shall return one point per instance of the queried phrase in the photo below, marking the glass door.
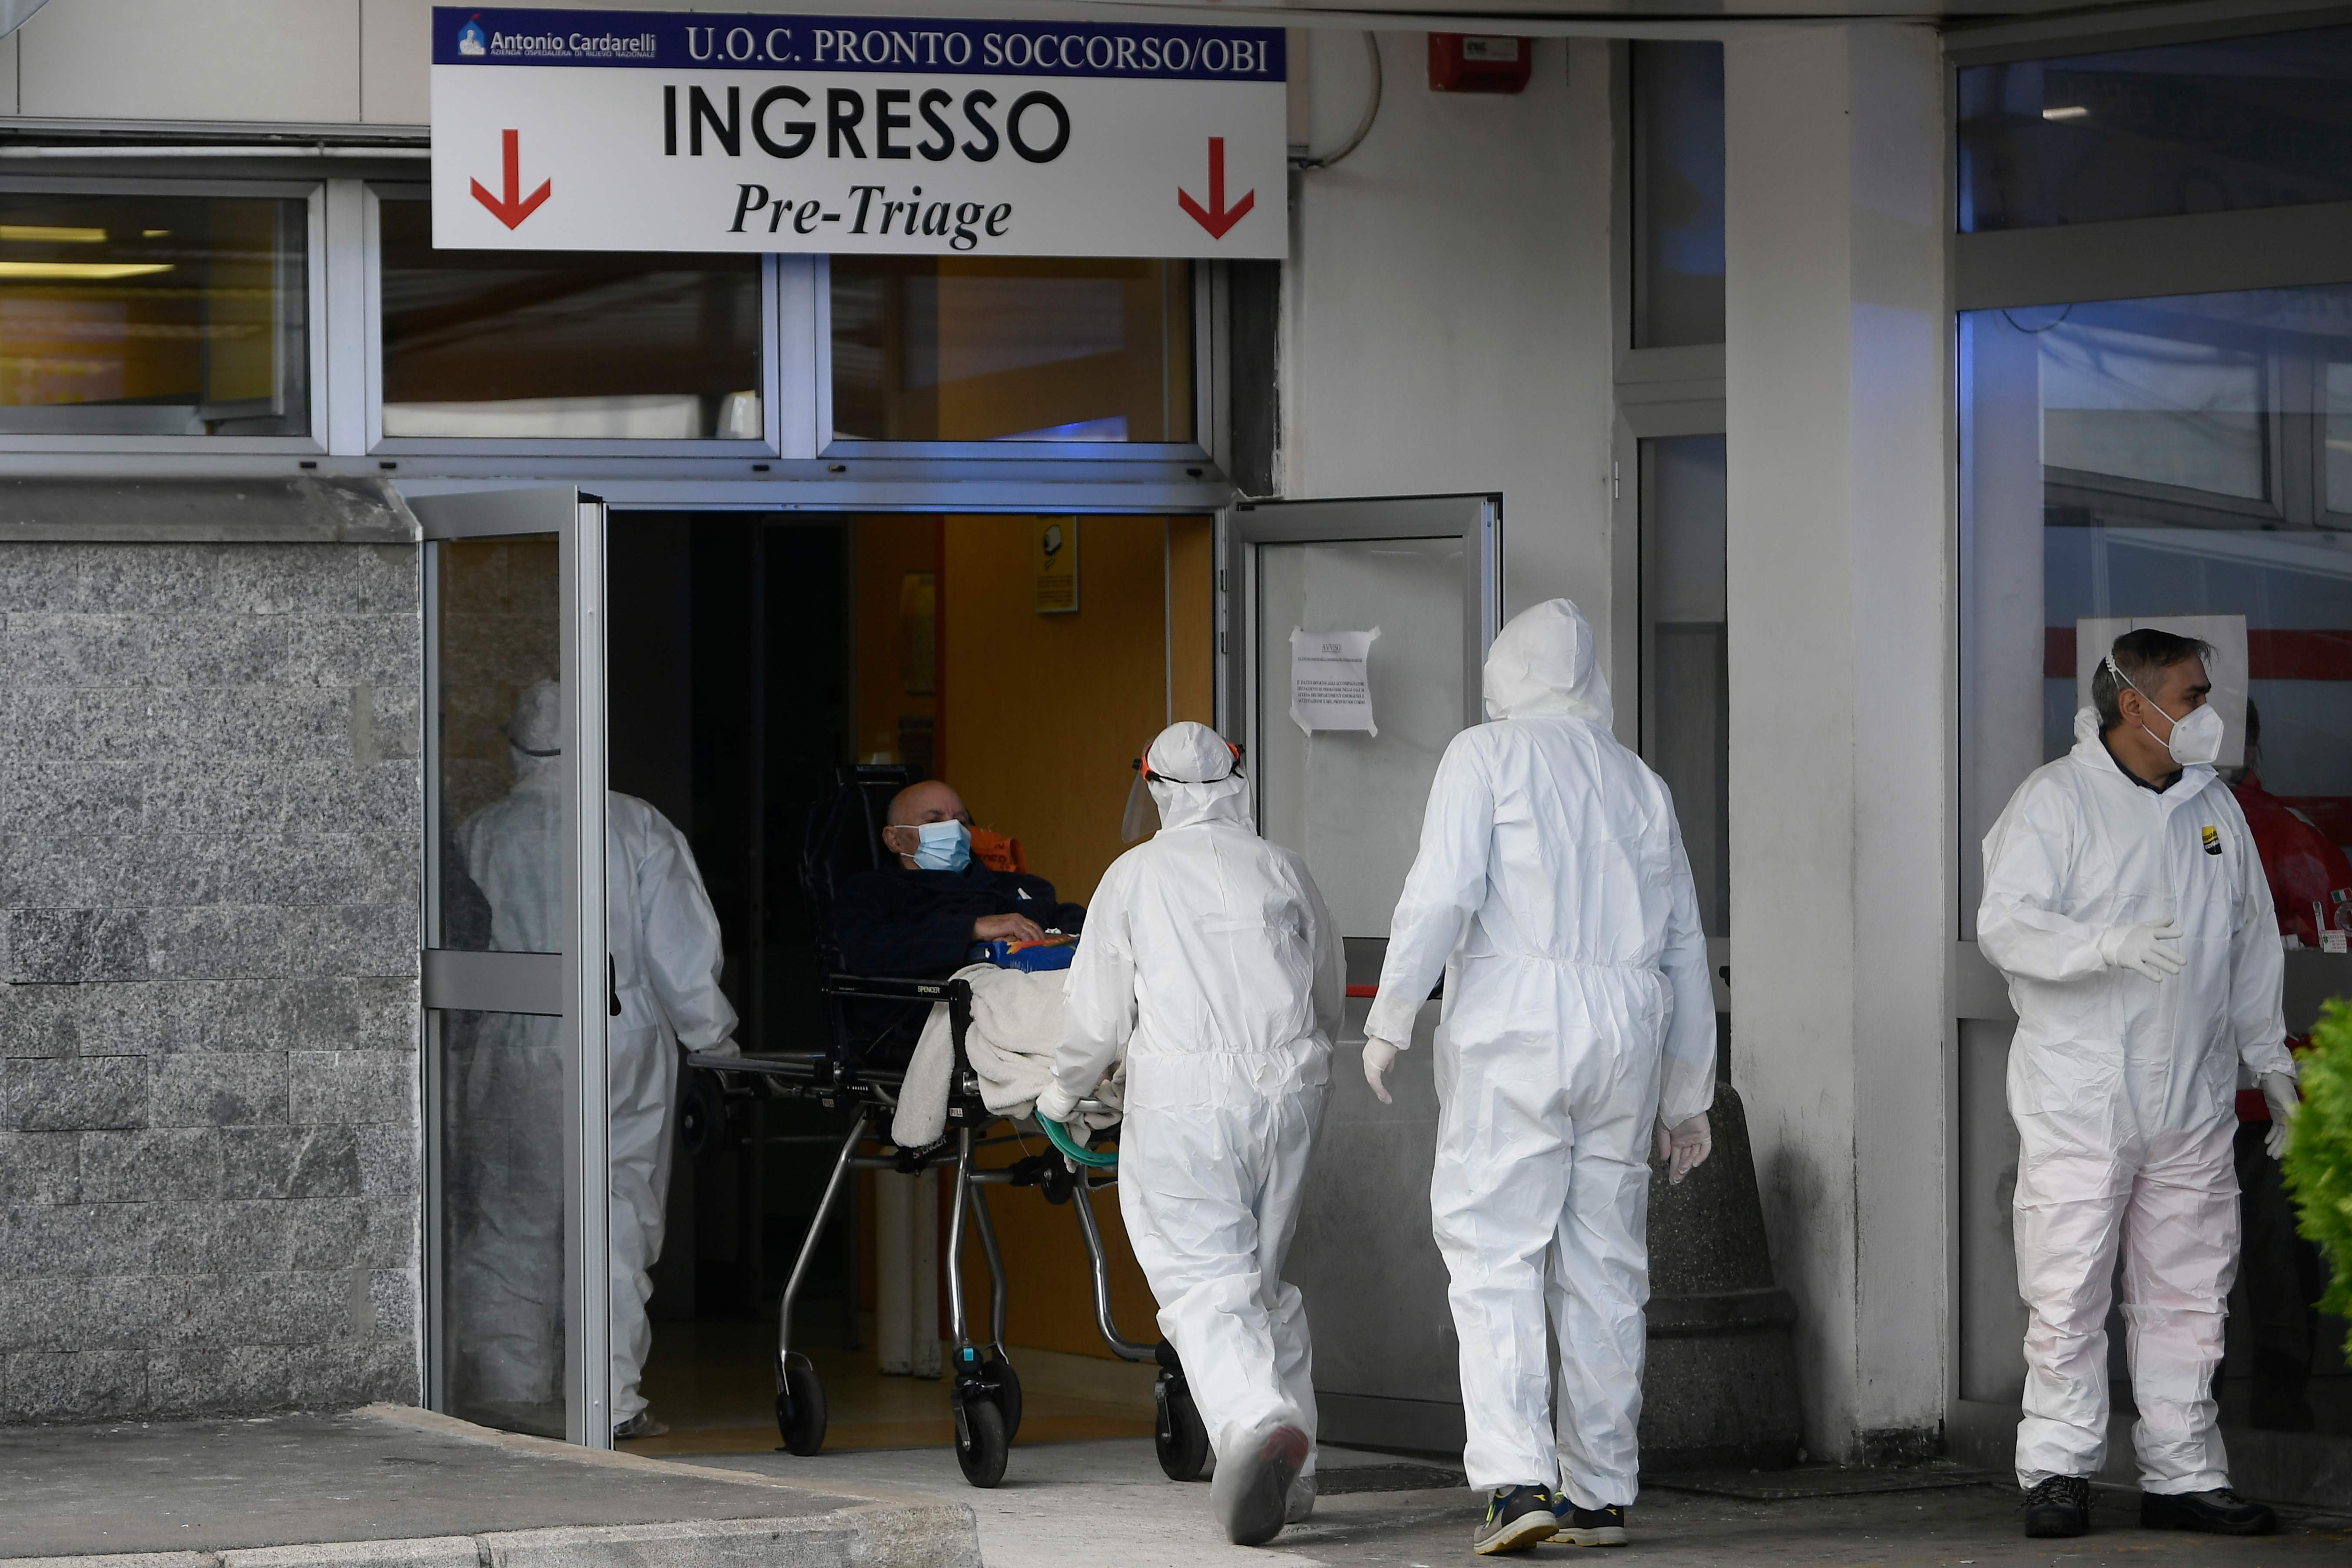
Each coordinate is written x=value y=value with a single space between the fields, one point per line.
x=515 y=989
x=1424 y=572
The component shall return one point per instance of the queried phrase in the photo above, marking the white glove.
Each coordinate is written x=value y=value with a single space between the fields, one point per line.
x=726 y=1047
x=1055 y=1103
x=1683 y=1148
x=1379 y=1056
x=2285 y=1095
x=2153 y=949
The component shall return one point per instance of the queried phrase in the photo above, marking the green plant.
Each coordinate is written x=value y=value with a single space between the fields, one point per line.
x=2319 y=1154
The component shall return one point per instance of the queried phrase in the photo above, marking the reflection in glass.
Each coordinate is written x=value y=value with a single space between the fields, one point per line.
x=1022 y=348
x=2338 y=489
x=1677 y=98
x=1685 y=675
x=2220 y=126
x=499 y=605
x=519 y=344
x=2141 y=461
x=1352 y=803
x=150 y=315
x=501 y=1165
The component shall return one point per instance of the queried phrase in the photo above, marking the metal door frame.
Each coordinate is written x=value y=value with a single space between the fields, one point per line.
x=573 y=985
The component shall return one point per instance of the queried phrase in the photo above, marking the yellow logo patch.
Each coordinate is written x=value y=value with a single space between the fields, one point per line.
x=2213 y=841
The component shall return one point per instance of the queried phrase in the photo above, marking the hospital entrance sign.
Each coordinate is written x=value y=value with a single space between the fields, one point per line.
x=695 y=131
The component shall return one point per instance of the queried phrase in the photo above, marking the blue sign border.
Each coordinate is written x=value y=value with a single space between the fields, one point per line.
x=704 y=40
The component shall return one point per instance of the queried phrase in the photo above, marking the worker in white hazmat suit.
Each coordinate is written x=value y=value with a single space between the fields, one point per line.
x=1579 y=1029
x=665 y=961
x=1211 y=961
x=2125 y=902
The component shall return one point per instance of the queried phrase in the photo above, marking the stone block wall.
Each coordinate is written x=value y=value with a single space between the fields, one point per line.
x=210 y=816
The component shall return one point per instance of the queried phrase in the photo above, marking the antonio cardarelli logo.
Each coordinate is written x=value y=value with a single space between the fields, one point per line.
x=471 y=39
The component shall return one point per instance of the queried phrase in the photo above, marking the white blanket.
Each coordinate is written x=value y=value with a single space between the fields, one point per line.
x=1017 y=1028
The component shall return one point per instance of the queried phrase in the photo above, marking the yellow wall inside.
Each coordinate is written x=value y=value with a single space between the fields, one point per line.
x=883 y=548
x=1042 y=715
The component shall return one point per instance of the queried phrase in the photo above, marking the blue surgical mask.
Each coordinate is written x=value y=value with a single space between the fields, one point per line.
x=945 y=846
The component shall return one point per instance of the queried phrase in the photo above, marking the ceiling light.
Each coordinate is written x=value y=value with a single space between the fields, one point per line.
x=81 y=271
x=154 y=233
x=2069 y=112
x=52 y=233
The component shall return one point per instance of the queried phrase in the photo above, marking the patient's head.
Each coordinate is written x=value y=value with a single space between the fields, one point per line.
x=933 y=800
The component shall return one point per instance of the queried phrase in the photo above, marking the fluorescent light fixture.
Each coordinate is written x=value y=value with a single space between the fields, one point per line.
x=2067 y=111
x=81 y=271
x=51 y=234
x=154 y=233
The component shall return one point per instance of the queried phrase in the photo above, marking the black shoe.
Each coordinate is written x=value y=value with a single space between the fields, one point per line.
x=2060 y=1505
x=1516 y=1518
x=1589 y=1526
x=2218 y=1512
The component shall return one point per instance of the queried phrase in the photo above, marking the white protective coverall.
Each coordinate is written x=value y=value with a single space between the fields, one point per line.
x=1210 y=960
x=664 y=940
x=2125 y=1095
x=1577 y=1012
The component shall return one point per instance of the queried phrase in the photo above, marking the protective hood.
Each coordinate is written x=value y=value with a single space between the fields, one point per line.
x=1542 y=662
x=1198 y=780
x=536 y=730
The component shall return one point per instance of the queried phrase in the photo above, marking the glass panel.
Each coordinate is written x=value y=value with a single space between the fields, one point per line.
x=1022 y=348
x=145 y=315
x=2339 y=435
x=501 y=1241
x=2221 y=126
x=523 y=343
x=1678 y=98
x=2112 y=456
x=498 y=605
x=1685 y=686
x=1352 y=803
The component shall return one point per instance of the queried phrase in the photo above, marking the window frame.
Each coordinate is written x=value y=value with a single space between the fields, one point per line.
x=312 y=193
x=772 y=337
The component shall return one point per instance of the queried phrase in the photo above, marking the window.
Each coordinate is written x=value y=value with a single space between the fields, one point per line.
x=153 y=315
x=1678 y=100
x=2221 y=126
x=1029 y=348
x=566 y=345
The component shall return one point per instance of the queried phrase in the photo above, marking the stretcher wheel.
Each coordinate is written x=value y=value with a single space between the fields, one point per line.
x=1004 y=1387
x=982 y=1443
x=799 y=1411
x=1179 y=1436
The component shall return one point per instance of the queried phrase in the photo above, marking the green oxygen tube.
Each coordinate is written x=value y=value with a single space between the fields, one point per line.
x=1060 y=1137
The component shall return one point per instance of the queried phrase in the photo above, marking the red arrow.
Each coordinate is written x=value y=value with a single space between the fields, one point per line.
x=1217 y=217
x=517 y=206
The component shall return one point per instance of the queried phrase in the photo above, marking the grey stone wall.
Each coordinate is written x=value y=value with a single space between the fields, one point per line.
x=210 y=815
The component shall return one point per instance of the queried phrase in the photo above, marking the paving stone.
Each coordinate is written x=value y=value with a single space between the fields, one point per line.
x=219 y=1088
x=82 y=1386
x=352 y=1087
x=223 y=1237
x=74 y=946
x=40 y=1167
x=76 y=1093
x=351 y=1013
x=149 y=1165
x=292 y=1162
x=369 y=939
x=219 y=942
x=77 y=798
x=390 y=1159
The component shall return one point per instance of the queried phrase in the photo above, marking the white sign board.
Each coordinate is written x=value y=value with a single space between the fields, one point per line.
x=700 y=131
x=1328 y=686
x=2094 y=635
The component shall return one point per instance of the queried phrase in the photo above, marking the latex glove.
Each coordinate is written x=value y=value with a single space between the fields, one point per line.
x=1685 y=1147
x=1379 y=1056
x=1055 y=1103
x=2285 y=1097
x=2152 y=949
x=726 y=1047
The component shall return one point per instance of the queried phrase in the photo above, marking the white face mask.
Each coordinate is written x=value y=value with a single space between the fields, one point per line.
x=2196 y=737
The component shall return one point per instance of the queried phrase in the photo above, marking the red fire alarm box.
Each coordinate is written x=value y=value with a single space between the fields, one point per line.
x=1479 y=62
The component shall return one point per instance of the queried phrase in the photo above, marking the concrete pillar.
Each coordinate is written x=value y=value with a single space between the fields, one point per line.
x=1840 y=606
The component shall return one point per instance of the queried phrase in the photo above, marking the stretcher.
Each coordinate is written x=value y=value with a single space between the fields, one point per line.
x=862 y=1084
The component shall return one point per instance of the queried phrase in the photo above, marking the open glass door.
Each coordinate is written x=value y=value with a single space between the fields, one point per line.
x=1425 y=571
x=514 y=972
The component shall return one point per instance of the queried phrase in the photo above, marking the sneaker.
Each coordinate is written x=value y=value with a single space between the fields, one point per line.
x=2218 y=1512
x=1301 y=1504
x=1252 y=1493
x=1516 y=1518
x=641 y=1424
x=2058 y=1505
x=1589 y=1526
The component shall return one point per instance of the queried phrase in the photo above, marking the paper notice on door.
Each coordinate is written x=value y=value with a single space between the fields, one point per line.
x=1329 y=689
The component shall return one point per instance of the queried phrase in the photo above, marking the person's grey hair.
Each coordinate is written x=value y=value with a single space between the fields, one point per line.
x=2143 y=656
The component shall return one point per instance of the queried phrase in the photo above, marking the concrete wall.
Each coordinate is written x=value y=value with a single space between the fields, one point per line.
x=209 y=820
x=1841 y=613
x=1445 y=316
